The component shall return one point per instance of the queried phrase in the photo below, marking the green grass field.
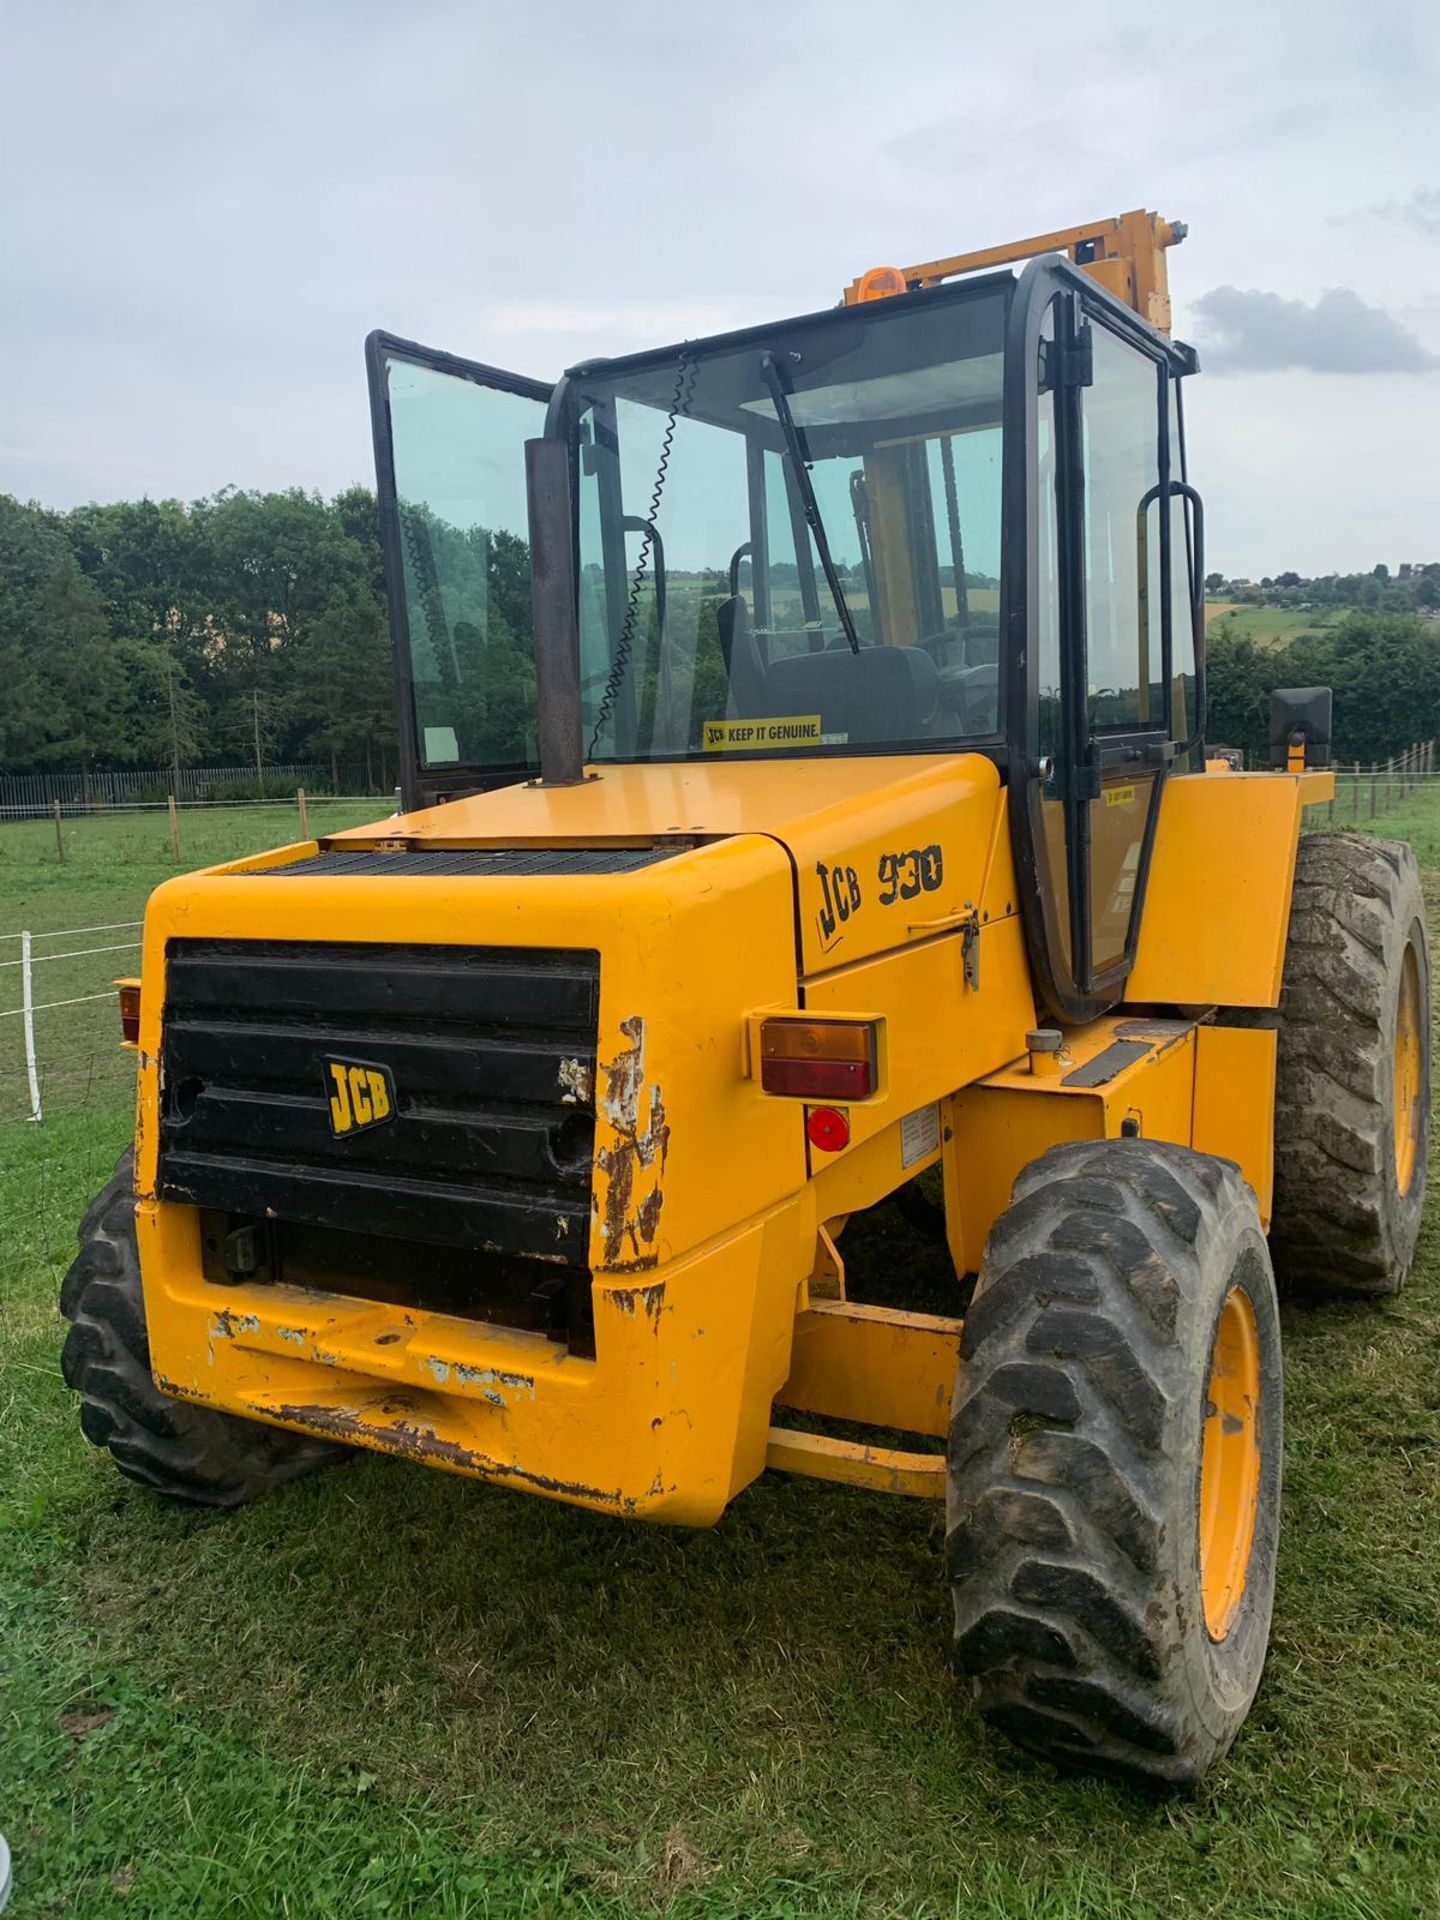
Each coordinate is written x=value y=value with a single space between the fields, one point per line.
x=111 y=863
x=388 y=1691
x=1266 y=626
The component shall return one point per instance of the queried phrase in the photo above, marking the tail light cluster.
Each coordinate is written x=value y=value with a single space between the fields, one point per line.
x=819 y=1059
x=129 y=992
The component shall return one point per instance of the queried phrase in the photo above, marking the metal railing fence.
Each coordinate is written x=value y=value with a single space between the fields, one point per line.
x=26 y=796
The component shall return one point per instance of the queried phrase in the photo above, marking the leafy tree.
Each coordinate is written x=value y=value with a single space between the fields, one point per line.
x=81 y=674
x=1384 y=670
x=31 y=549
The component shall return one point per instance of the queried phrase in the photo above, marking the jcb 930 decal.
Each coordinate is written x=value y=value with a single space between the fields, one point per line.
x=904 y=876
x=840 y=897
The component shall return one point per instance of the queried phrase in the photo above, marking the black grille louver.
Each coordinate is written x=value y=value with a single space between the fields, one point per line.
x=491 y=1051
x=461 y=863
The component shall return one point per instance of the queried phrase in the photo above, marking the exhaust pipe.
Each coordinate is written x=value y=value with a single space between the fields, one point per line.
x=552 y=599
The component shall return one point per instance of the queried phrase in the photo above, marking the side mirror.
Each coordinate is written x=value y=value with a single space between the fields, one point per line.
x=1300 y=727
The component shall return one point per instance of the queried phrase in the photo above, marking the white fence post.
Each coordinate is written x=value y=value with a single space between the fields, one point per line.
x=27 y=1004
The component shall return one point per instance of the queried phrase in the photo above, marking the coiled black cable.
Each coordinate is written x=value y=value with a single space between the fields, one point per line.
x=686 y=372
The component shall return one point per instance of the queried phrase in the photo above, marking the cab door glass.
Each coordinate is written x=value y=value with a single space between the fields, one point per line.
x=1050 y=714
x=1122 y=534
x=455 y=500
x=1122 y=561
x=1184 y=593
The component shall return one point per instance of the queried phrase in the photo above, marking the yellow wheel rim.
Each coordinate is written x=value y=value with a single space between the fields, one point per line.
x=1409 y=1075
x=1230 y=1463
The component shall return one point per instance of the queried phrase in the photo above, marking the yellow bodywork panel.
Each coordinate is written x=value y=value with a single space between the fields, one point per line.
x=1234 y=1114
x=670 y=1419
x=932 y=815
x=1217 y=907
x=702 y=1224
x=870 y=1364
x=1162 y=1079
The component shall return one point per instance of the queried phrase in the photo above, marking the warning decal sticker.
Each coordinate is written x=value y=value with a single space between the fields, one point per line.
x=744 y=736
x=919 y=1134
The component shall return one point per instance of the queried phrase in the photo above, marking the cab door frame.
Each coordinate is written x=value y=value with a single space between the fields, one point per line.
x=420 y=786
x=1054 y=894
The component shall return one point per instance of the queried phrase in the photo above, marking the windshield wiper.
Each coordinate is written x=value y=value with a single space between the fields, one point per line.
x=800 y=462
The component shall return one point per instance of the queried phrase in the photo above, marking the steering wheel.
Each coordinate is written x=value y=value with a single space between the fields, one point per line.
x=933 y=643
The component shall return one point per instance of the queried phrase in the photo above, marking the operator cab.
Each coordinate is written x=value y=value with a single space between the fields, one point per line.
x=952 y=520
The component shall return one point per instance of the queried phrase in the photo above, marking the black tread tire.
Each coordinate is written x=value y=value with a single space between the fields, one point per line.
x=1340 y=1223
x=204 y=1458
x=1072 y=1538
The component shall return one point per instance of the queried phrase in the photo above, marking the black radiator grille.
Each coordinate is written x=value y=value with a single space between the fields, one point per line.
x=457 y=863
x=490 y=1052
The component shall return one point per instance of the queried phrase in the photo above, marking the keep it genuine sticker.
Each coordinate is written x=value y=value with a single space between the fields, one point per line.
x=744 y=736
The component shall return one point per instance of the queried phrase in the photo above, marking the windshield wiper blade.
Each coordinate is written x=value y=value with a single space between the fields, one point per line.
x=800 y=461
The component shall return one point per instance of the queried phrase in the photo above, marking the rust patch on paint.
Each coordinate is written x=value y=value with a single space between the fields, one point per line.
x=647 y=1300
x=420 y=1443
x=229 y=1325
x=631 y=1170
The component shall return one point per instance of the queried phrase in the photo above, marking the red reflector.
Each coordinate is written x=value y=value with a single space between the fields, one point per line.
x=129 y=1011
x=827 y=1129
x=812 y=1079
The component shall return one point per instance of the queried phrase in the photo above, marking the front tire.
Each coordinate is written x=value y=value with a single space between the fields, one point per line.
x=1114 y=1462
x=1352 y=1103
x=203 y=1458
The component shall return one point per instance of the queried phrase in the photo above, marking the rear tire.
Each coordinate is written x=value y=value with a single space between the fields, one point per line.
x=1352 y=1103
x=1113 y=1588
x=188 y=1453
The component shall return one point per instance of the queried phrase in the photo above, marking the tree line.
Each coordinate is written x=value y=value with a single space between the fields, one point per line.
x=1384 y=670
x=159 y=634
x=1413 y=588
x=155 y=633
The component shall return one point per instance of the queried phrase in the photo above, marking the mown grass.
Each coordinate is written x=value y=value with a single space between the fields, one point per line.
x=112 y=861
x=389 y=1691
x=1267 y=626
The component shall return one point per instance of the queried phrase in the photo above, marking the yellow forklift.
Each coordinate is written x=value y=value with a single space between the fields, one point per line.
x=804 y=792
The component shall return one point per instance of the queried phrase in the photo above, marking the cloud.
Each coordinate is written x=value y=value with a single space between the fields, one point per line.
x=1247 y=331
x=1420 y=211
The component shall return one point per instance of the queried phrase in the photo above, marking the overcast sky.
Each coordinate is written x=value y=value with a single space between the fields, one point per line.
x=206 y=206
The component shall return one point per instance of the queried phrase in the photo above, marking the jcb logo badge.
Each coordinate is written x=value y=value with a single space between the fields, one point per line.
x=361 y=1096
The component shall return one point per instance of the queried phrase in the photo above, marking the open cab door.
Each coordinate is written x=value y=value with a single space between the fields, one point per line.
x=1104 y=611
x=450 y=471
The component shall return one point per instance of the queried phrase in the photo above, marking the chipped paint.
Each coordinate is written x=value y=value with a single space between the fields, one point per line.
x=494 y=1377
x=228 y=1325
x=630 y=1220
x=493 y=1383
x=422 y=1443
x=647 y=1300
x=576 y=1083
x=295 y=1335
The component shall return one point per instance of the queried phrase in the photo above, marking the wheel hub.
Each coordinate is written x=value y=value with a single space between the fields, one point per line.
x=1409 y=1075
x=1230 y=1463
